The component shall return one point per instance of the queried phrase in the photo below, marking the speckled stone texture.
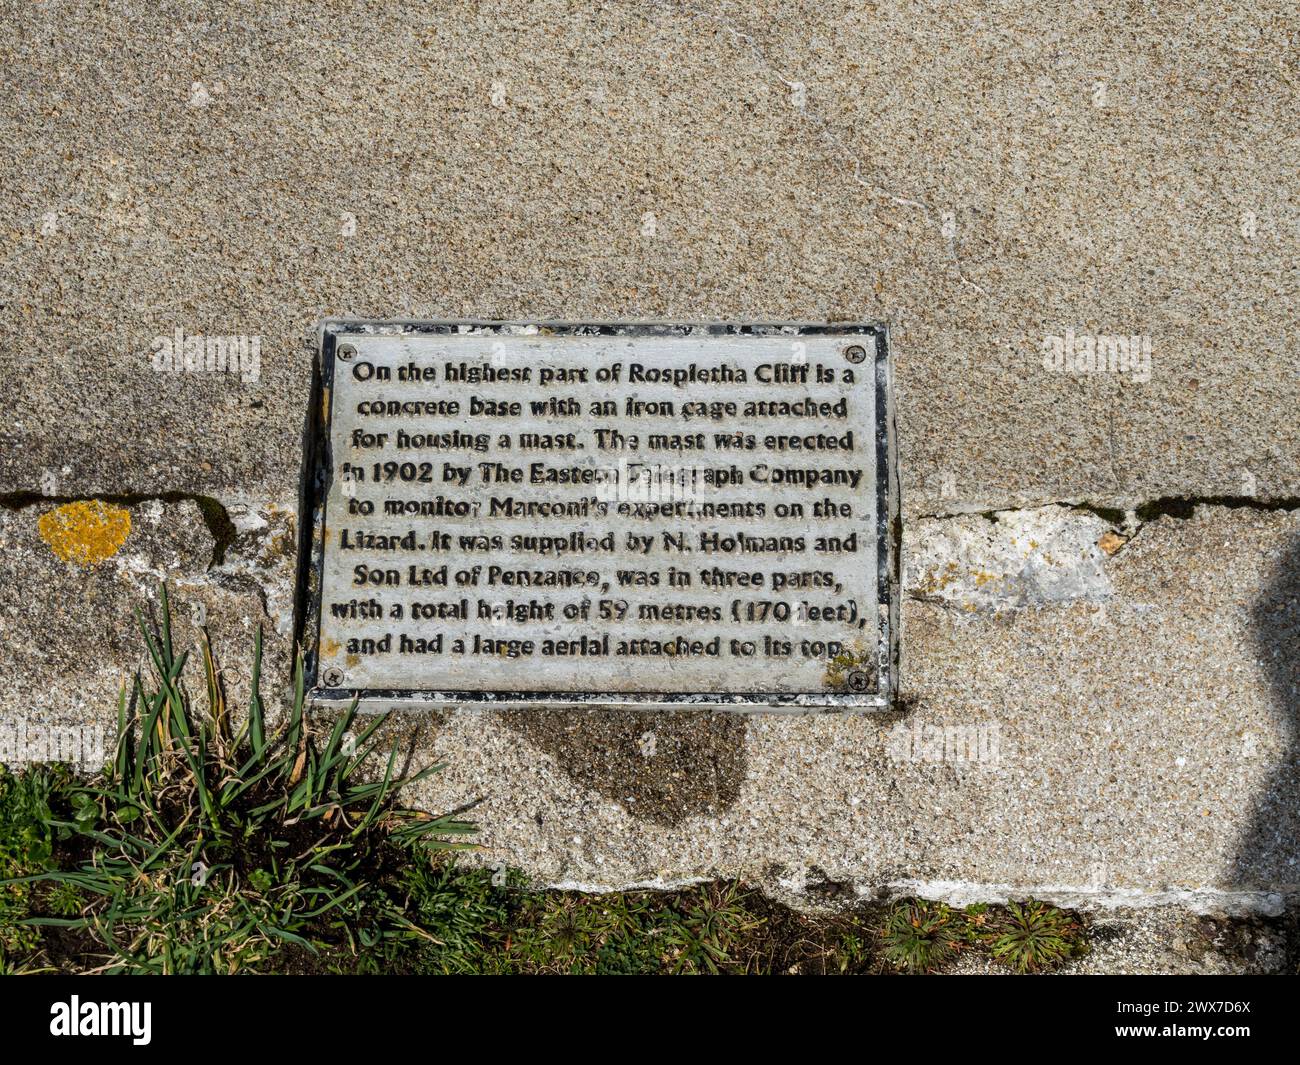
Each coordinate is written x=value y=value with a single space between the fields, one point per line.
x=979 y=179
x=1139 y=748
x=983 y=180
x=69 y=631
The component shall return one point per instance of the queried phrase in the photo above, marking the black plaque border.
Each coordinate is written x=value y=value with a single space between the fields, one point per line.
x=318 y=472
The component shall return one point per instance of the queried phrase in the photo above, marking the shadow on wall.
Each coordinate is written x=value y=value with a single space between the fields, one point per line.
x=1268 y=856
x=662 y=766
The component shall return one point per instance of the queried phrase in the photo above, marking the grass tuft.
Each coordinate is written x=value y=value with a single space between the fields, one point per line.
x=1033 y=936
x=201 y=850
x=919 y=936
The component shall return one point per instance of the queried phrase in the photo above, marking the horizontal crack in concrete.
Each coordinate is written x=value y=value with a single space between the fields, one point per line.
x=1181 y=507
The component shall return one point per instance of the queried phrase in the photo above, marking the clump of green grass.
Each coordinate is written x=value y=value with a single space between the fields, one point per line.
x=919 y=936
x=27 y=839
x=203 y=850
x=480 y=921
x=1032 y=936
x=850 y=947
x=710 y=929
x=464 y=914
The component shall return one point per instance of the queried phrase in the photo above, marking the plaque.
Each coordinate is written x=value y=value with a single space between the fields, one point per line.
x=662 y=515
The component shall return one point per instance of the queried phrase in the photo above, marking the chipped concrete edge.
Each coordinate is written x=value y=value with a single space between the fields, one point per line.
x=1201 y=900
x=1198 y=900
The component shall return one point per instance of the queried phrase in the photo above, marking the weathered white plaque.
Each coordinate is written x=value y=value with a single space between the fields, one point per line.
x=623 y=514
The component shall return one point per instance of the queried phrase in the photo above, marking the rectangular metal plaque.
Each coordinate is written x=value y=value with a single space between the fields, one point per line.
x=664 y=515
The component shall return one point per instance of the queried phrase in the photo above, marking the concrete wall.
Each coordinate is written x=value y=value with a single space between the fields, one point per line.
x=1116 y=672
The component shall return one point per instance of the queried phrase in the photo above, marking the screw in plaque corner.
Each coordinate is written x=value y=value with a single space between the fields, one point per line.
x=859 y=681
x=855 y=353
x=332 y=677
x=346 y=352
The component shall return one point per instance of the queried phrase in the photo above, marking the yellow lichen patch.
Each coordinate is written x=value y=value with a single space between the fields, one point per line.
x=1111 y=542
x=85 y=532
x=934 y=581
x=849 y=660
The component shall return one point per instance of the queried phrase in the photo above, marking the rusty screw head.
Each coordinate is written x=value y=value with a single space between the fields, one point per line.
x=855 y=353
x=332 y=677
x=859 y=681
x=346 y=351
